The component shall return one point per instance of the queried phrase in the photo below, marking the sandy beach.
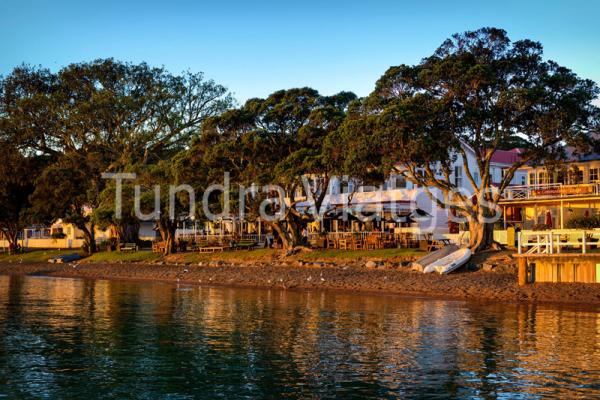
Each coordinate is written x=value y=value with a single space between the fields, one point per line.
x=481 y=285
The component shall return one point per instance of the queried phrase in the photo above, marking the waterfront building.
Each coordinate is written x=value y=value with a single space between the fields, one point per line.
x=399 y=202
x=552 y=197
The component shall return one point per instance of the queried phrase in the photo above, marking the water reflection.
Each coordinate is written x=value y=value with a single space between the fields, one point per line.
x=73 y=338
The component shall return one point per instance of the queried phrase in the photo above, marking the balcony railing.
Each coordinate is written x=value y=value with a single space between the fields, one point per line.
x=550 y=190
x=557 y=241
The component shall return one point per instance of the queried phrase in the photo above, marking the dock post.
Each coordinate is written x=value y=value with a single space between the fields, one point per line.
x=522 y=263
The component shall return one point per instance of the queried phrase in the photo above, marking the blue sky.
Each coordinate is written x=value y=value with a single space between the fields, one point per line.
x=254 y=48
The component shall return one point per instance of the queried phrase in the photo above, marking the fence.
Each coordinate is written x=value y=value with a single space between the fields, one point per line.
x=214 y=238
x=550 y=190
x=557 y=241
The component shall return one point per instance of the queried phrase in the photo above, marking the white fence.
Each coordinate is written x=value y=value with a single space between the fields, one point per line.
x=550 y=190
x=557 y=241
x=214 y=238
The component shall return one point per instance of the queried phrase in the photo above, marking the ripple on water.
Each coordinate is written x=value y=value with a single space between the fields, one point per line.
x=64 y=338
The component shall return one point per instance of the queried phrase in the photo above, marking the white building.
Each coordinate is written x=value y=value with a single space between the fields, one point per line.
x=399 y=197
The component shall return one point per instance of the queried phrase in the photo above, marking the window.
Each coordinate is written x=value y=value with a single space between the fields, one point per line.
x=575 y=176
x=560 y=176
x=344 y=187
x=398 y=182
x=523 y=180
x=458 y=176
x=532 y=179
x=514 y=214
x=542 y=177
x=594 y=174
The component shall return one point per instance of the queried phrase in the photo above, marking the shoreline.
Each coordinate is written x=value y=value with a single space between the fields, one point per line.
x=478 y=286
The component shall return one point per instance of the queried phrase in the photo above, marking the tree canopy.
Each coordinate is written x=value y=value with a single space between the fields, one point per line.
x=478 y=91
x=276 y=141
x=102 y=116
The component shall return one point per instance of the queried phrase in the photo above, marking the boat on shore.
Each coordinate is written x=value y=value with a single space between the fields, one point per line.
x=450 y=262
x=423 y=262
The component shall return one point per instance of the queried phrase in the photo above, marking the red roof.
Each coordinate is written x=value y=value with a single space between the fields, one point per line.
x=506 y=156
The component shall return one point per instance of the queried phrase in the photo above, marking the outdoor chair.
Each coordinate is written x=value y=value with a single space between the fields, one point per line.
x=343 y=244
x=357 y=244
x=158 y=247
x=372 y=243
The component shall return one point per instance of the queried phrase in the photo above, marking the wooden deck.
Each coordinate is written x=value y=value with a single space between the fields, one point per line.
x=559 y=268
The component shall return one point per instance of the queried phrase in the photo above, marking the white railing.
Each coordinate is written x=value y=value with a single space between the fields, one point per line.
x=39 y=233
x=550 y=190
x=216 y=237
x=557 y=241
x=415 y=234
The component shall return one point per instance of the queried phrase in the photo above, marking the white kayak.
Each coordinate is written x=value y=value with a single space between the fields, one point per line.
x=450 y=262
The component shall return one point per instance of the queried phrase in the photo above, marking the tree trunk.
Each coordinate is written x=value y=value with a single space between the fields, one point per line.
x=11 y=237
x=167 y=230
x=481 y=235
x=290 y=232
x=90 y=237
x=128 y=231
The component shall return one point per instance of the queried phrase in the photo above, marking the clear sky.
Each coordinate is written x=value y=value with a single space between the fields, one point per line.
x=256 y=47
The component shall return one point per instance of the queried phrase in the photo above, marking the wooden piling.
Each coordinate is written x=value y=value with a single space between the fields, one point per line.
x=522 y=263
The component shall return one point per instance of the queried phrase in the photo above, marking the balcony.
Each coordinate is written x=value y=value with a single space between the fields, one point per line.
x=550 y=191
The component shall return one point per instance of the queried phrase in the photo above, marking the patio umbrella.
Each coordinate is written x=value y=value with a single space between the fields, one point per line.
x=420 y=214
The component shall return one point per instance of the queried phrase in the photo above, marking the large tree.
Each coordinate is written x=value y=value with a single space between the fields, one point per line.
x=102 y=116
x=17 y=176
x=276 y=141
x=478 y=90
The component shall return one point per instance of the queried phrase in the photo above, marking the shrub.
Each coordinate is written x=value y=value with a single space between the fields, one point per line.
x=540 y=227
x=584 y=222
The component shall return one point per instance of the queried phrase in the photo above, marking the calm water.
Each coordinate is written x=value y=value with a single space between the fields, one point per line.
x=62 y=338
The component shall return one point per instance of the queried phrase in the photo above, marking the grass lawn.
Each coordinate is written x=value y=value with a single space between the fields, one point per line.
x=354 y=254
x=114 y=256
x=234 y=256
x=239 y=255
x=33 y=256
x=316 y=255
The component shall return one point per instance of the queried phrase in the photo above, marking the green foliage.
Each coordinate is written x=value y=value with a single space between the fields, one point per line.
x=101 y=116
x=117 y=256
x=17 y=183
x=478 y=92
x=591 y=222
x=277 y=140
x=35 y=256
